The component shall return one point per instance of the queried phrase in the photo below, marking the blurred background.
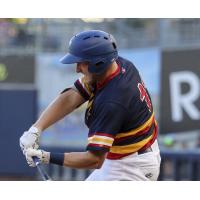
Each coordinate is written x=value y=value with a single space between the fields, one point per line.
x=167 y=54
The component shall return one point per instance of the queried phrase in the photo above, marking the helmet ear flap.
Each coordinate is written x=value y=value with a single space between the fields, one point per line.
x=98 y=66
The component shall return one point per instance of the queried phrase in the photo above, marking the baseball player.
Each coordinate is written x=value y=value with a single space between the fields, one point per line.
x=122 y=137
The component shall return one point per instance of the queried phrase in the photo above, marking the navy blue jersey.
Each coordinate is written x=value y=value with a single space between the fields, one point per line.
x=119 y=114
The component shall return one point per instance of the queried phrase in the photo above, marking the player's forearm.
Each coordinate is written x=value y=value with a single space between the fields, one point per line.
x=64 y=104
x=83 y=160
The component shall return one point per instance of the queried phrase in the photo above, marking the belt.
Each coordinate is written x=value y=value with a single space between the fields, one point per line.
x=149 y=149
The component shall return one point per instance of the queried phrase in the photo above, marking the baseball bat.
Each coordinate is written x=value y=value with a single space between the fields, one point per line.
x=42 y=172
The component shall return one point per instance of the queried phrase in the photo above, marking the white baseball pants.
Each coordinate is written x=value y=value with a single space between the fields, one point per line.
x=143 y=167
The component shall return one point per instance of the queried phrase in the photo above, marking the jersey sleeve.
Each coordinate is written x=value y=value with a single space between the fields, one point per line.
x=107 y=123
x=83 y=88
x=68 y=88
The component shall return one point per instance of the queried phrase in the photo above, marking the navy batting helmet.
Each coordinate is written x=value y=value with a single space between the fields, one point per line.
x=96 y=47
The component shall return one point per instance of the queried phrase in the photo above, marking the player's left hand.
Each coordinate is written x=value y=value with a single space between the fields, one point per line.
x=43 y=156
x=30 y=139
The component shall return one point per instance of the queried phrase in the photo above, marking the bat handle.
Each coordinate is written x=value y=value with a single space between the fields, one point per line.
x=36 y=160
x=42 y=172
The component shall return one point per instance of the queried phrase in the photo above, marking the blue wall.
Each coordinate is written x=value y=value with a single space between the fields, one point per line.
x=18 y=111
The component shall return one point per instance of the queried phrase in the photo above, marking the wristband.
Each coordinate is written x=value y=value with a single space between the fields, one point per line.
x=57 y=158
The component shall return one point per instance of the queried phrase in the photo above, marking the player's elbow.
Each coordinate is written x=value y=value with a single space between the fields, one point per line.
x=97 y=159
x=98 y=164
x=100 y=160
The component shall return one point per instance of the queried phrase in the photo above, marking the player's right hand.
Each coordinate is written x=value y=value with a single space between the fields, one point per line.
x=42 y=155
x=30 y=139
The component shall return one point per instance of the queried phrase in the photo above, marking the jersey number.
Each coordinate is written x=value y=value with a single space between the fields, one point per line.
x=144 y=96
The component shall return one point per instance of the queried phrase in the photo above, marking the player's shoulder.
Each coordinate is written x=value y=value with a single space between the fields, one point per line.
x=120 y=88
x=125 y=62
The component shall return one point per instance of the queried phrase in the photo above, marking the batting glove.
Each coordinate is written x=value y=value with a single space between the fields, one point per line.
x=30 y=139
x=42 y=155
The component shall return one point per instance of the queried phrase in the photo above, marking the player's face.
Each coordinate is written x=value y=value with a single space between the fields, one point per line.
x=83 y=68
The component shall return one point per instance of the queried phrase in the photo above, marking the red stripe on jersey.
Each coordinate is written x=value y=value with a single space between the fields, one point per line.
x=115 y=156
x=115 y=73
x=130 y=136
x=101 y=134
x=155 y=134
x=99 y=145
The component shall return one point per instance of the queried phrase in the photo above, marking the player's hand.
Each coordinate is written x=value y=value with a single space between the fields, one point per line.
x=30 y=139
x=43 y=156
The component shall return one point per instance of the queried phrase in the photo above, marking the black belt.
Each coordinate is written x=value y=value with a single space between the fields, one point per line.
x=149 y=149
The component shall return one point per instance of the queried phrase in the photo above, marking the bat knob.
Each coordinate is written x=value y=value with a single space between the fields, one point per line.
x=36 y=160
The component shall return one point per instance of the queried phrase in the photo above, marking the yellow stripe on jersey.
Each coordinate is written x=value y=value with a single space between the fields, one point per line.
x=130 y=148
x=135 y=131
x=86 y=85
x=90 y=101
x=102 y=140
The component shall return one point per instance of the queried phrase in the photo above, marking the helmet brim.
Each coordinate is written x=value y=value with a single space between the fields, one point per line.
x=70 y=59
